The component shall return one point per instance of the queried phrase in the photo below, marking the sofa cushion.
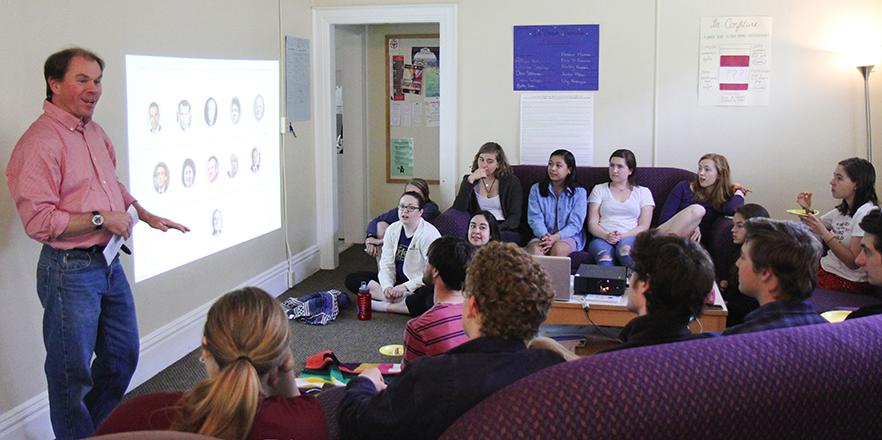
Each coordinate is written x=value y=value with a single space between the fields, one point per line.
x=817 y=381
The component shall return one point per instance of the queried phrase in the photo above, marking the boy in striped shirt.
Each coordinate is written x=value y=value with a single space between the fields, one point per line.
x=440 y=328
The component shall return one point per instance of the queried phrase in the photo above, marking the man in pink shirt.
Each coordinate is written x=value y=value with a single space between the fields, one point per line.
x=440 y=328
x=62 y=176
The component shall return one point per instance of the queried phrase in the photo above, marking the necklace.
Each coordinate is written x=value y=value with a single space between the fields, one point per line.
x=486 y=185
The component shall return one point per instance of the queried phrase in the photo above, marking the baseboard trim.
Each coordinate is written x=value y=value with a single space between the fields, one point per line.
x=162 y=347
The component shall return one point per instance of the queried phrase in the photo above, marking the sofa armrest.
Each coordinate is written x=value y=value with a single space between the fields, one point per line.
x=453 y=223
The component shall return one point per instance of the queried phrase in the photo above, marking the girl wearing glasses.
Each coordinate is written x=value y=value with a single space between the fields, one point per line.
x=376 y=229
x=403 y=259
x=482 y=230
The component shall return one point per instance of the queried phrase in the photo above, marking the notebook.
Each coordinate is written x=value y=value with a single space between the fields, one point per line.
x=558 y=269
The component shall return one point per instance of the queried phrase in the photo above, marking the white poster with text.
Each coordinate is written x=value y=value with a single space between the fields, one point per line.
x=550 y=121
x=735 y=61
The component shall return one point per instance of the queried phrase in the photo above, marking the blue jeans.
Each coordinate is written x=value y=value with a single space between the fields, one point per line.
x=599 y=248
x=87 y=308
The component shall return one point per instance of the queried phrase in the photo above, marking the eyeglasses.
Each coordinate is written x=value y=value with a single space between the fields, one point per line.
x=408 y=208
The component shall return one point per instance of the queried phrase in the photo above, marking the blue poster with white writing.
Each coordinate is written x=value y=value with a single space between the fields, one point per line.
x=550 y=58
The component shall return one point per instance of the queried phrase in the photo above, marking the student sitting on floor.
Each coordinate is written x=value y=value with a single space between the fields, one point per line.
x=778 y=267
x=376 y=229
x=507 y=296
x=403 y=259
x=440 y=328
x=250 y=390
x=482 y=229
x=738 y=303
x=670 y=278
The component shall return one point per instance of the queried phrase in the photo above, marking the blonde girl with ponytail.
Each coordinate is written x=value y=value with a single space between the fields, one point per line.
x=246 y=349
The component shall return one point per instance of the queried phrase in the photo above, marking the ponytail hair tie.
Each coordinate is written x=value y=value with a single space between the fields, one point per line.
x=246 y=358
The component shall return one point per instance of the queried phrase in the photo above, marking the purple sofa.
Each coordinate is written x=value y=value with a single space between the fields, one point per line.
x=819 y=381
x=660 y=182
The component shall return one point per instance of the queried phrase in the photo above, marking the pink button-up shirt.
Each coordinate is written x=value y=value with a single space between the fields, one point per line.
x=62 y=166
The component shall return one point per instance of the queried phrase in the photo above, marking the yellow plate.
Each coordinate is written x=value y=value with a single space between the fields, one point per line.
x=800 y=211
x=835 y=315
x=392 y=350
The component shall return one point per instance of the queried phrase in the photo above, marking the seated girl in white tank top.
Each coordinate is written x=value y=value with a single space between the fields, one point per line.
x=492 y=204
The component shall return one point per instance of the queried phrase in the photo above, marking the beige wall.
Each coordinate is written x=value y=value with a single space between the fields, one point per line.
x=32 y=29
x=383 y=196
x=816 y=113
x=815 y=116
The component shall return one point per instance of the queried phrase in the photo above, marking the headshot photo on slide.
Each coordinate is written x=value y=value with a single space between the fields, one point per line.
x=234 y=166
x=259 y=107
x=188 y=173
x=210 y=112
x=153 y=117
x=185 y=115
x=255 y=160
x=235 y=110
x=160 y=177
x=217 y=222
x=212 y=168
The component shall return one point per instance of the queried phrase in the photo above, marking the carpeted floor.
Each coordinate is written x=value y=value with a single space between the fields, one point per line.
x=350 y=339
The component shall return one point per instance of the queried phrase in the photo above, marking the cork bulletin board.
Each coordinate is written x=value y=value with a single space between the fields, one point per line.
x=412 y=107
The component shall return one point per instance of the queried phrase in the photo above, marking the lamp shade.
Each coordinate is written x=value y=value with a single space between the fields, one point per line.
x=864 y=55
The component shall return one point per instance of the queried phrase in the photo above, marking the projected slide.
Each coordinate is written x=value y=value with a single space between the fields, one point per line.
x=203 y=151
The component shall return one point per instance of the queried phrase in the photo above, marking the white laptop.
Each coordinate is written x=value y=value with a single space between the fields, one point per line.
x=558 y=269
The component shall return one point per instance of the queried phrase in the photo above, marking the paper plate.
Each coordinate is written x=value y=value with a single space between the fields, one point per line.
x=800 y=211
x=835 y=315
x=392 y=350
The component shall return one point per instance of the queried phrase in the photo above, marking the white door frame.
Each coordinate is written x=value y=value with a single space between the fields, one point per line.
x=323 y=21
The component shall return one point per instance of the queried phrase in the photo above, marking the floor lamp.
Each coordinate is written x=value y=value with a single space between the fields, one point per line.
x=865 y=72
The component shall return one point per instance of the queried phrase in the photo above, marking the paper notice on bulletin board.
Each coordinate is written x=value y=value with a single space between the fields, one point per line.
x=297 y=78
x=735 y=61
x=559 y=120
x=432 y=111
x=401 y=157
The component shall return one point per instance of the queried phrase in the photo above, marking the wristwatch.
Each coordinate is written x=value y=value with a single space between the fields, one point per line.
x=97 y=220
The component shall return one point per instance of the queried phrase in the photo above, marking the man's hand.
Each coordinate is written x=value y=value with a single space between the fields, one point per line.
x=164 y=224
x=117 y=222
x=155 y=221
x=375 y=377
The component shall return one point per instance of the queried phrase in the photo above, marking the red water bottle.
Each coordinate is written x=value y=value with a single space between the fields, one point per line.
x=363 y=302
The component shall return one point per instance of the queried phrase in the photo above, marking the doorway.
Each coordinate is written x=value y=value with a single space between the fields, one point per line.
x=325 y=22
x=353 y=189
